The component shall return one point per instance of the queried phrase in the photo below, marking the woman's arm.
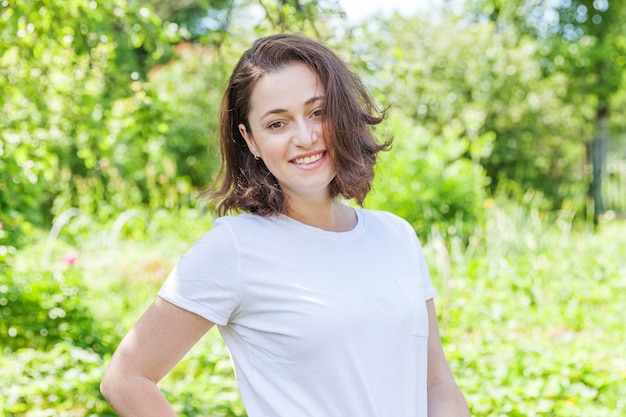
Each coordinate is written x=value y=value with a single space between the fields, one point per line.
x=159 y=339
x=444 y=396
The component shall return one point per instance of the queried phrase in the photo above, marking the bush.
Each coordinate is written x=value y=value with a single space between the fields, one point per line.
x=77 y=119
x=428 y=181
x=39 y=309
x=528 y=313
x=64 y=382
x=61 y=382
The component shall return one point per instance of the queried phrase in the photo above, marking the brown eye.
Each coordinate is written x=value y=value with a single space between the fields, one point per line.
x=275 y=125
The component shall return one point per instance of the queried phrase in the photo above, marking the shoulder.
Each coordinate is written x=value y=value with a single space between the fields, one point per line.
x=248 y=230
x=222 y=247
x=245 y=219
x=385 y=219
x=245 y=222
x=223 y=238
x=384 y=223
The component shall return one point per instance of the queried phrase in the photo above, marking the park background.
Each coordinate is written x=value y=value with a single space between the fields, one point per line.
x=509 y=160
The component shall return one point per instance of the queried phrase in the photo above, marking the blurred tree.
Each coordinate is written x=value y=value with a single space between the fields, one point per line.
x=592 y=54
x=298 y=16
x=72 y=75
x=206 y=21
x=192 y=116
x=210 y=21
x=437 y=92
x=484 y=82
x=582 y=42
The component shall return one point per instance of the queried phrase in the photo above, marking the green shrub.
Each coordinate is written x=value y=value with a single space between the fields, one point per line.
x=39 y=309
x=529 y=313
x=429 y=181
x=61 y=382
x=64 y=382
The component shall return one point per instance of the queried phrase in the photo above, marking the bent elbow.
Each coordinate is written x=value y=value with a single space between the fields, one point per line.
x=109 y=385
x=105 y=386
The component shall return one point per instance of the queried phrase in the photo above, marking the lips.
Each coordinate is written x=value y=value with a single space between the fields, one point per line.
x=309 y=159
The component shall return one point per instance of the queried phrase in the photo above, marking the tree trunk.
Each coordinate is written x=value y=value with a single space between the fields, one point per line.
x=598 y=160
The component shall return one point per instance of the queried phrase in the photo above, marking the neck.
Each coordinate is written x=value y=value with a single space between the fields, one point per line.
x=330 y=214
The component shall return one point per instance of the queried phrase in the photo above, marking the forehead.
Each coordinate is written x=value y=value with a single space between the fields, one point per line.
x=288 y=88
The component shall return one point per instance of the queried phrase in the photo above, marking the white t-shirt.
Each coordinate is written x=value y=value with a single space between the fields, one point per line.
x=318 y=323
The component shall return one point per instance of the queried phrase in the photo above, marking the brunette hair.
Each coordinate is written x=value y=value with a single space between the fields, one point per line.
x=244 y=183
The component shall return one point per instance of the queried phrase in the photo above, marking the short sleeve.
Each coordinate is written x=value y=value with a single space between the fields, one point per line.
x=429 y=290
x=205 y=281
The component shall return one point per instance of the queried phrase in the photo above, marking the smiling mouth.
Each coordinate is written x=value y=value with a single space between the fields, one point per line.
x=308 y=159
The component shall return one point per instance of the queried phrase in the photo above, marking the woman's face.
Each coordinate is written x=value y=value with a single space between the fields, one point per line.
x=286 y=131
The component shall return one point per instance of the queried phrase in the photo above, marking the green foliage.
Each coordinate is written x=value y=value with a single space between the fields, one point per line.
x=530 y=320
x=205 y=21
x=39 y=309
x=426 y=180
x=580 y=49
x=192 y=116
x=307 y=17
x=6 y=250
x=62 y=382
x=585 y=45
x=480 y=80
x=76 y=117
x=65 y=382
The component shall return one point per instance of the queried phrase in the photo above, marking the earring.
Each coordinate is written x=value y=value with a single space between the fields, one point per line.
x=256 y=157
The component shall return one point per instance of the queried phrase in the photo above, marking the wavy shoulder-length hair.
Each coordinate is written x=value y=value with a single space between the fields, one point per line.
x=243 y=182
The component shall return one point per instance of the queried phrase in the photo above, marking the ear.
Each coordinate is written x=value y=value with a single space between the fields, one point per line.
x=249 y=140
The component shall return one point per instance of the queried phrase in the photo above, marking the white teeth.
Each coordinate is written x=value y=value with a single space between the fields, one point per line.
x=308 y=159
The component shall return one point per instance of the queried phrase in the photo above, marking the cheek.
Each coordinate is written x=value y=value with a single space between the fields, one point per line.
x=331 y=146
x=327 y=132
x=272 y=153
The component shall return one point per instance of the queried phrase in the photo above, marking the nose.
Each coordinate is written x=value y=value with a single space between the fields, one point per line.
x=306 y=134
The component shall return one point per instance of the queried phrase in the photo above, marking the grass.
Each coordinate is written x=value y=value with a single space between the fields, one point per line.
x=531 y=313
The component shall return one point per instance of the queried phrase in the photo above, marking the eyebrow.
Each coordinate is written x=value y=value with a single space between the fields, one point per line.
x=278 y=111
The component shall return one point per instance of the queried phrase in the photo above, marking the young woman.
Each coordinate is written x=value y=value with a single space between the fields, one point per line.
x=326 y=309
